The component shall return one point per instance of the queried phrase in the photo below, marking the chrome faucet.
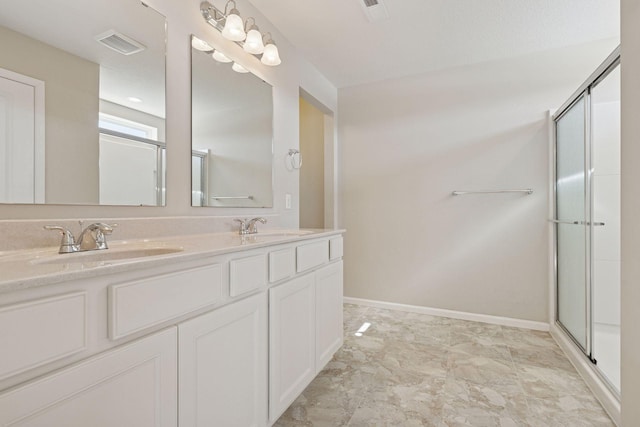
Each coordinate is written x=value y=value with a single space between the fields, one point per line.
x=252 y=226
x=91 y=238
x=249 y=226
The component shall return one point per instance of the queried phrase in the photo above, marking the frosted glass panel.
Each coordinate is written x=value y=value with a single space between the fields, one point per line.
x=571 y=234
x=605 y=182
x=128 y=172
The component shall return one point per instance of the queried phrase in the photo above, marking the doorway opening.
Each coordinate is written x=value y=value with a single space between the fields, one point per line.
x=317 y=175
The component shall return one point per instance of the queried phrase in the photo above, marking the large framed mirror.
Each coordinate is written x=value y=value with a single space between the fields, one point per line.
x=82 y=102
x=231 y=134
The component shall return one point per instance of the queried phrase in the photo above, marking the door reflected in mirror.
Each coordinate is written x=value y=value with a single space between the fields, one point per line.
x=82 y=102
x=232 y=135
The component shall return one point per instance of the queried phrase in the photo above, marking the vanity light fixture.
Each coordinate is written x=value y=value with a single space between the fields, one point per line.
x=253 y=43
x=200 y=45
x=270 y=56
x=230 y=25
x=239 y=68
x=233 y=27
x=220 y=57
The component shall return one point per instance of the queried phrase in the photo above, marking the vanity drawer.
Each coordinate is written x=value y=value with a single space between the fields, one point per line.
x=247 y=274
x=38 y=332
x=282 y=264
x=312 y=255
x=140 y=304
x=335 y=248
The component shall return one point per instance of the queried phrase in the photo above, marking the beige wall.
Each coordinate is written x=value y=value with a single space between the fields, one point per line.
x=184 y=19
x=312 y=173
x=71 y=114
x=630 y=228
x=407 y=144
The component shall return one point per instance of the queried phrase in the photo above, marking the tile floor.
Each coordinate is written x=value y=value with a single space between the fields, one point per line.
x=413 y=369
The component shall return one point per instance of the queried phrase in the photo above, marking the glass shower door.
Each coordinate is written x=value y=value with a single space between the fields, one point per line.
x=605 y=225
x=571 y=223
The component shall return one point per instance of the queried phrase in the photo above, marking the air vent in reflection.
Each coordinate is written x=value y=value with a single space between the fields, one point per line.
x=369 y=3
x=120 y=43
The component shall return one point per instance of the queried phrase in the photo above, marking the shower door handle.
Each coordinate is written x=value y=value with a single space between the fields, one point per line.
x=595 y=224
x=555 y=221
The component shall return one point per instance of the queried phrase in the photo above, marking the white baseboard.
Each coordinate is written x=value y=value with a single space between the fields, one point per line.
x=607 y=399
x=474 y=317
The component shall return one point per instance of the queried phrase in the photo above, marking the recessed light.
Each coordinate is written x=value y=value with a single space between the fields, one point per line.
x=134 y=99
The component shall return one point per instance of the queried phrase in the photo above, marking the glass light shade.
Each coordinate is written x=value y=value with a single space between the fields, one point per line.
x=200 y=45
x=234 y=27
x=253 y=43
x=239 y=68
x=220 y=57
x=270 y=56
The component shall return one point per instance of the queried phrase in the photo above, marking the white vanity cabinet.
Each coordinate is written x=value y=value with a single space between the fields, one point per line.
x=132 y=385
x=292 y=325
x=228 y=338
x=223 y=366
x=305 y=322
x=329 y=330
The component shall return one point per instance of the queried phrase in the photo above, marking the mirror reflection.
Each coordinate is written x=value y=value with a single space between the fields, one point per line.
x=82 y=102
x=232 y=133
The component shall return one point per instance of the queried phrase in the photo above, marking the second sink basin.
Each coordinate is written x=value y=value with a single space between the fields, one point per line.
x=283 y=233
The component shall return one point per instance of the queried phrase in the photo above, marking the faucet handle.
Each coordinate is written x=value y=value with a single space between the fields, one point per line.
x=252 y=227
x=99 y=230
x=68 y=242
x=105 y=228
x=243 y=225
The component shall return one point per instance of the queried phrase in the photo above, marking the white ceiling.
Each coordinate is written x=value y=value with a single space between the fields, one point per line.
x=425 y=35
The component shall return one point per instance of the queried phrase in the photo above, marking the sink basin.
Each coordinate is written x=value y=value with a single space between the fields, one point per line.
x=283 y=233
x=107 y=255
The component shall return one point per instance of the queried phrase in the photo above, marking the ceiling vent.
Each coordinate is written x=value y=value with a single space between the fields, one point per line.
x=374 y=10
x=120 y=43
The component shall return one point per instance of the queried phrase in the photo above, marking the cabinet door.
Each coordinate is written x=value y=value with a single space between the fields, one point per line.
x=291 y=342
x=329 y=335
x=133 y=385
x=223 y=366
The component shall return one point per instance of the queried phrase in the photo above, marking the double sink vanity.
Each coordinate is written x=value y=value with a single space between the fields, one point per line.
x=204 y=329
x=216 y=329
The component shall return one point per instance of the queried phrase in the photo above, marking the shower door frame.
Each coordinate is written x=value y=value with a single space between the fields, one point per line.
x=612 y=61
x=586 y=145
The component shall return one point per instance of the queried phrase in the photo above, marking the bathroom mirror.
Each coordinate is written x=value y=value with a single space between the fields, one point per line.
x=231 y=135
x=82 y=102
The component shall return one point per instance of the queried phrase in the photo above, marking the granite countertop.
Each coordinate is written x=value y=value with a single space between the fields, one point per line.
x=22 y=269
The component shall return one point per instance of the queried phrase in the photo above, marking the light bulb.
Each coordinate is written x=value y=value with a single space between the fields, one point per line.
x=200 y=45
x=239 y=68
x=253 y=43
x=234 y=27
x=220 y=57
x=270 y=56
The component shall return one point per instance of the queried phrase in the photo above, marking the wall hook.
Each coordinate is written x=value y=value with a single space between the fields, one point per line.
x=294 y=159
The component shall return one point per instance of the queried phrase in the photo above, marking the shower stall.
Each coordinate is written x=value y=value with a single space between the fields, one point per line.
x=587 y=220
